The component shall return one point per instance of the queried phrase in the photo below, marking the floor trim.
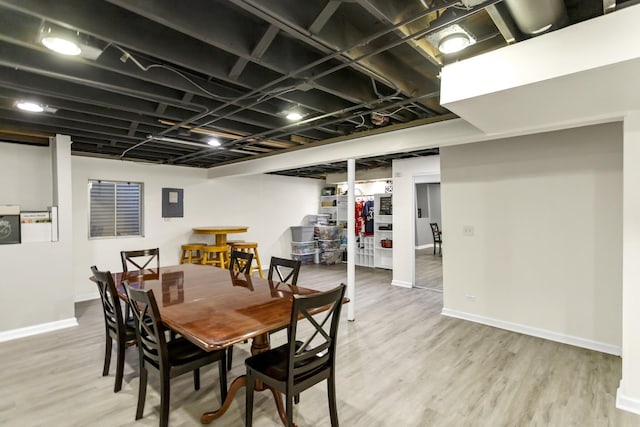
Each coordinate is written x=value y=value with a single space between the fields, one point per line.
x=86 y=297
x=536 y=332
x=627 y=403
x=42 y=328
x=401 y=283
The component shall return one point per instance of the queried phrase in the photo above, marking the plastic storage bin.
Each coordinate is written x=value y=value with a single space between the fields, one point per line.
x=301 y=233
x=327 y=232
x=329 y=244
x=303 y=258
x=331 y=257
x=303 y=248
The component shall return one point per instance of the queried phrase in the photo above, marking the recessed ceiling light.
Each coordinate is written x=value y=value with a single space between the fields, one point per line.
x=214 y=142
x=32 y=107
x=294 y=116
x=454 y=43
x=61 y=45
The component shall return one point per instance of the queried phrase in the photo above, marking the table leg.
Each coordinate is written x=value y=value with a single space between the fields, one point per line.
x=259 y=344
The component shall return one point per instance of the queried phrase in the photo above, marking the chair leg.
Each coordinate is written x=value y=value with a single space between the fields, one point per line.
x=222 y=372
x=165 y=396
x=248 y=420
x=142 y=392
x=255 y=252
x=333 y=409
x=119 y=368
x=229 y=358
x=196 y=379
x=296 y=398
x=107 y=356
x=289 y=410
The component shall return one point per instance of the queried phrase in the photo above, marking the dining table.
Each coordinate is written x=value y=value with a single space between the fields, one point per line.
x=215 y=308
x=221 y=232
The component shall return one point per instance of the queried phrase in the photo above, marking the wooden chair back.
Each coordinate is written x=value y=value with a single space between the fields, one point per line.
x=241 y=262
x=110 y=303
x=152 y=343
x=140 y=259
x=286 y=270
x=312 y=349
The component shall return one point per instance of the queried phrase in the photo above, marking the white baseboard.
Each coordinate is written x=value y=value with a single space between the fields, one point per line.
x=536 y=332
x=37 y=329
x=425 y=246
x=627 y=403
x=401 y=283
x=86 y=297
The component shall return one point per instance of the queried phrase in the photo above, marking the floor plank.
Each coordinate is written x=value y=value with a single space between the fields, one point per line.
x=399 y=364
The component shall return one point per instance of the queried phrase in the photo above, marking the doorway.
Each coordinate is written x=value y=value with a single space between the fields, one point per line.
x=428 y=265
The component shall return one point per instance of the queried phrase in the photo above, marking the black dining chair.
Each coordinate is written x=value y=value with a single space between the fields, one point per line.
x=140 y=259
x=241 y=261
x=170 y=359
x=116 y=329
x=286 y=270
x=306 y=359
x=437 y=237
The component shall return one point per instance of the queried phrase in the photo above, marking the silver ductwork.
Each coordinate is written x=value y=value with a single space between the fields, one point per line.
x=537 y=16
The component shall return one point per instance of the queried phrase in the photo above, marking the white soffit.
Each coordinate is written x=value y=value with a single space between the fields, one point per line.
x=583 y=74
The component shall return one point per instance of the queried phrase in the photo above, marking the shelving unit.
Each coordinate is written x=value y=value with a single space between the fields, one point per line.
x=365 y=253
x=383 y=257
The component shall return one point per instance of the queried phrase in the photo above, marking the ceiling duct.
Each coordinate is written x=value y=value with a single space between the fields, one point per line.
x=538 y=16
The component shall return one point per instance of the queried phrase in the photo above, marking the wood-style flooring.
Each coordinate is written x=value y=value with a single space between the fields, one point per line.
x=428 y=270
x=400 y=364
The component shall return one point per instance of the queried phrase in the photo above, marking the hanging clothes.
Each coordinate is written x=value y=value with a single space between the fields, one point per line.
x=368 y=217
x=359 y=219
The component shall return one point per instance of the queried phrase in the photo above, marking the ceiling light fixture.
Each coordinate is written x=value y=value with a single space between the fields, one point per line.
x=62 y=41
x=214 y=142
x=453 y=43
x=294 y=116
x=451 y=39
x=30 y=106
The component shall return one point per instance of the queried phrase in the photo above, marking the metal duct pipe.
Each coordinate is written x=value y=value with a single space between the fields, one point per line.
x=538 y=16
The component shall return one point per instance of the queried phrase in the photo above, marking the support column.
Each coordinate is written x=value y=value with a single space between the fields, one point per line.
x=628 y=396
x=351 y=239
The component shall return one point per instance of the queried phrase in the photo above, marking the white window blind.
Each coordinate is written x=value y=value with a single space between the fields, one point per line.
x=115 y=209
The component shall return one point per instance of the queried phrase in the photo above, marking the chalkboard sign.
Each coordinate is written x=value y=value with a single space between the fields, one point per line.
x=386 y=206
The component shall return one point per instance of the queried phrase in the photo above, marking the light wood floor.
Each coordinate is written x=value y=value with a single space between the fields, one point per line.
x=399 y=364
x=428 y=270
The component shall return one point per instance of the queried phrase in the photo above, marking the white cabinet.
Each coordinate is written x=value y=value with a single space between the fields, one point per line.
x=383 y=231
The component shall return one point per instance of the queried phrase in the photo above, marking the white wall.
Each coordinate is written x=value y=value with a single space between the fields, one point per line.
x=36 y=277
x=404 y=171
x=268 y=204
x=25 y=174
x=547 y=245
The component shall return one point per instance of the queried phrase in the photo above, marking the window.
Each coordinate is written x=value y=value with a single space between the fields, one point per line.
x=115 y=209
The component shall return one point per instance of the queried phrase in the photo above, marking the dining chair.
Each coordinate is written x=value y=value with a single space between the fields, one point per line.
x=124 y=334
x=170 y=359
x=437 y=237
x=306 y=359
x=140 y=259
x=287 y=270
x=251 y=247
x=241 y=261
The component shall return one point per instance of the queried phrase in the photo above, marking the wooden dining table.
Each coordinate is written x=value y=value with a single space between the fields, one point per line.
x=216 y=308
x=221 y=232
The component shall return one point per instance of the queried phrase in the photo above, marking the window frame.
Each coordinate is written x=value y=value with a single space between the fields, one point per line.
x=140 y=209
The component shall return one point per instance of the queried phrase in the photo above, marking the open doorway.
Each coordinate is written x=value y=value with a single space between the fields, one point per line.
x=428 y=257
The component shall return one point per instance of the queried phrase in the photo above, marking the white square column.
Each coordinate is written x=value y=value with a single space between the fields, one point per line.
x=628 y=396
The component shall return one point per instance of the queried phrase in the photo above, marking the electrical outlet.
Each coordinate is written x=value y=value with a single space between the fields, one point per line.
x=467 y=230
x=470 y=297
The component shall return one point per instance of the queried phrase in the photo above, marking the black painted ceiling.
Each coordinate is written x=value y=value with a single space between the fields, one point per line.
x=231 y=69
